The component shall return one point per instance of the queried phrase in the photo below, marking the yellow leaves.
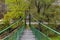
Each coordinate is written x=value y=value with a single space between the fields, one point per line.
x=16 y=8
x=10 y=1
x=13 y=8
x=23 y=5
x=48 y=1
x=6 y=18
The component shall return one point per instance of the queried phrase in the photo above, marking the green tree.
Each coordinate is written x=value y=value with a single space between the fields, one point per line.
x=15 y=9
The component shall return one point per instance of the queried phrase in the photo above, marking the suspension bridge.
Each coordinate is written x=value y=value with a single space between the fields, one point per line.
x=25 y=29
x=23 y=33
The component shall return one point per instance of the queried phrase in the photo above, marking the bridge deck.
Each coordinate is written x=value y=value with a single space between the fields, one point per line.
x=28 y=35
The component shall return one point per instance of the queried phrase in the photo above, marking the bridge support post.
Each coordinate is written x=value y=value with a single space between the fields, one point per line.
x=25 y=17
x=29 y=20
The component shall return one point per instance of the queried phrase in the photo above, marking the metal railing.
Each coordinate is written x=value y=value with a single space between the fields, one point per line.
x=43 y=25
x=39 y=35
x=16 y=35
x=15 y=23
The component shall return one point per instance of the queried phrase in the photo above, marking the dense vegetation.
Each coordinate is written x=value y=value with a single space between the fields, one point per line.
x=41 y=10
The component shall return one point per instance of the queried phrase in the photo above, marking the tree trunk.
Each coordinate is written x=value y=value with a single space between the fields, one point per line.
x=29 y=20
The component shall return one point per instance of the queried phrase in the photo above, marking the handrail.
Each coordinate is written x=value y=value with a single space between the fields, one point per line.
x=50 y=28
x=47 y=26
x=39 y=35
x=16 y=35
x=10 y=26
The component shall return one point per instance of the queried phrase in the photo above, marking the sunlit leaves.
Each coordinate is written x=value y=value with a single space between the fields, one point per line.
x=15 y=9
x=48 y=1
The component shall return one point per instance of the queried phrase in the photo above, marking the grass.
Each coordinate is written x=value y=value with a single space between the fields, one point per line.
x=55 y=38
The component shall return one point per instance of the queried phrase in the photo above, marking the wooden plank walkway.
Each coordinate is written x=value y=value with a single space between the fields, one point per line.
x=28 y=35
